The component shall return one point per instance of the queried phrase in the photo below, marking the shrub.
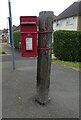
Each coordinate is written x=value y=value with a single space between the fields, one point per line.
x=16 y=38
x=3 y=41
x=67 y=45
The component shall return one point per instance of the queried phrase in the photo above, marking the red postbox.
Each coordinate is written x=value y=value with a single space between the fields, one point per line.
x=28 y=30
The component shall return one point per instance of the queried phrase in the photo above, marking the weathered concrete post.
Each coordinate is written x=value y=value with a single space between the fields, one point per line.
x=44 y=56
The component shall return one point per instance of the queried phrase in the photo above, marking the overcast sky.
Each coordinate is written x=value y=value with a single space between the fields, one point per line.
x=30 y=8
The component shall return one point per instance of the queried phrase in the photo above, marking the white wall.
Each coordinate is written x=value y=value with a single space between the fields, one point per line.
x=65 y=26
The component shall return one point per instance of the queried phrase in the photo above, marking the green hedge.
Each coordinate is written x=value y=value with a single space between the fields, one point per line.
x=67 y=45
x=16 y=38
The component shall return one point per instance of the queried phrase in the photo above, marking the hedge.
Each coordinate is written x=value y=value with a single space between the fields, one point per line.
x=67 y=45
x=16 y=38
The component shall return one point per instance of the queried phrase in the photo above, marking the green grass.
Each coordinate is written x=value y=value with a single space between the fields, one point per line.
x=75 y=65
x=2 y=51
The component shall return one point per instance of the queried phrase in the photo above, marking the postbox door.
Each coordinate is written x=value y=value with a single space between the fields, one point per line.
x=29 y=45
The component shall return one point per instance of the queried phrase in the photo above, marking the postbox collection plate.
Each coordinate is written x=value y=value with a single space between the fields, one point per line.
x=29 y=43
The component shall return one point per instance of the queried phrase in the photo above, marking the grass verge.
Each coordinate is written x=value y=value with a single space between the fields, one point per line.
x=2 y=51
x=75 y=65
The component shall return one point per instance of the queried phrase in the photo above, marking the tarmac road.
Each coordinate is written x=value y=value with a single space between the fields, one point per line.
x=19 y=90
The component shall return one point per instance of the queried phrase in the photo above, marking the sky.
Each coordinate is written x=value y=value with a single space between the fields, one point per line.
x=29 y=8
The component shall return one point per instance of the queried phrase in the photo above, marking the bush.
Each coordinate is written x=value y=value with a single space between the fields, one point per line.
x=16 y=38
x=3 y=41
x=67 y=45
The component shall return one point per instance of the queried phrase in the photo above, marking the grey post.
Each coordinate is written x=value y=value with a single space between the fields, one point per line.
x=44 y=56
x=10 y=16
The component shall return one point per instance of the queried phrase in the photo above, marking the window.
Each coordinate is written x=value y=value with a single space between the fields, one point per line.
x=58 y=22
x=70 y=21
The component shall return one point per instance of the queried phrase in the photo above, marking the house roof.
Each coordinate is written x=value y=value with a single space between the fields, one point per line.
x=72 y=10
x=17 y=28
x=54 y=17
x=5 y=30
x=14 y=27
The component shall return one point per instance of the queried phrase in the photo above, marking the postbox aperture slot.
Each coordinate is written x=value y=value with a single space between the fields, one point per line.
x=28 y=23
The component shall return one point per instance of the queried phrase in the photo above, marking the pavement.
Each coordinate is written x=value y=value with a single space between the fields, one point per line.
x=19 y=89
x=0 y=88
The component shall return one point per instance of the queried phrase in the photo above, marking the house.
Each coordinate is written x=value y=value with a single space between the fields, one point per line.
x=0 y=34
x=70 y=18
x=4 y=34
